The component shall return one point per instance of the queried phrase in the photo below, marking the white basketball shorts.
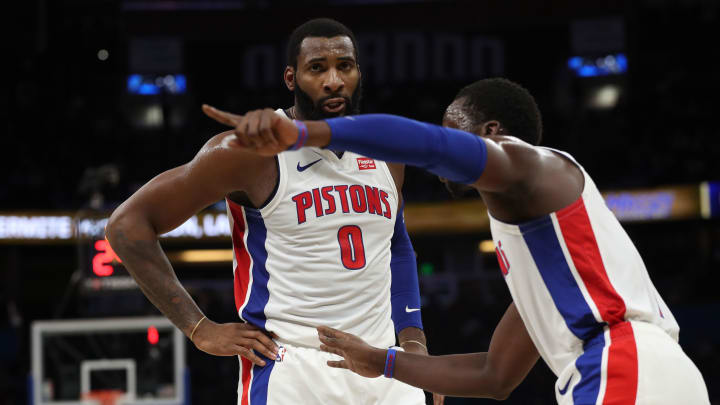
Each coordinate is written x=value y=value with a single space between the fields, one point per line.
x=632 y=363
x=301 y=376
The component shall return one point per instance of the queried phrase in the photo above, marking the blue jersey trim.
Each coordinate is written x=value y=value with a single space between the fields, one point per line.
x=254 y=311
x=544 y=246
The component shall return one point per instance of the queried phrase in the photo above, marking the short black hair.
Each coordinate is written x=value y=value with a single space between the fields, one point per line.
x=507 y=102
x=319 y=27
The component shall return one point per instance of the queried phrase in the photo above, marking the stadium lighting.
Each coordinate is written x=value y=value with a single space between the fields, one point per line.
x=486 y=246
x=154 y=84
x=605 y=97
x=103 y=54
x=204 y=256
x=613 y=64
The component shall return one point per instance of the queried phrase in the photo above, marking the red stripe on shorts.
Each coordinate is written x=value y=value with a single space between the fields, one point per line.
x=246 y=377
x=622 y=366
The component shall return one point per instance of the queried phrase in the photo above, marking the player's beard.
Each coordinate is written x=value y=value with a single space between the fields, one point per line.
x=311 y=110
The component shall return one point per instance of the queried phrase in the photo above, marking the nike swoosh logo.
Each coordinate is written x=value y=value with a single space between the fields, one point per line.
x=564 y=390
x=303 y=168
x=408 y=309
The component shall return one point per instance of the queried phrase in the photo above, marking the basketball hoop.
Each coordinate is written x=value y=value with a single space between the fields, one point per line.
x=105 y=397
x=106 y=366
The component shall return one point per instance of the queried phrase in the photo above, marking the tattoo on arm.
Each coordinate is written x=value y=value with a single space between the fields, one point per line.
x=149 y=266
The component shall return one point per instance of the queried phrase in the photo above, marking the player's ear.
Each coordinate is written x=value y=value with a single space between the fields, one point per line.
x=490 y=128
x=289 y=77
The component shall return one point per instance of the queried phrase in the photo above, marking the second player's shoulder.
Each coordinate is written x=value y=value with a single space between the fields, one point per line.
x=517 y=154
x=532 y=158
x=512 y=164
x=511 y=144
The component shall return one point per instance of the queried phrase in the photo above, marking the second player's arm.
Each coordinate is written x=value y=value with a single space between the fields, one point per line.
x=161 y=205
x=491 y=374
x=488 y=163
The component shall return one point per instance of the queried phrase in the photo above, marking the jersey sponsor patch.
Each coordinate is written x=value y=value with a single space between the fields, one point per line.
x=365 y=163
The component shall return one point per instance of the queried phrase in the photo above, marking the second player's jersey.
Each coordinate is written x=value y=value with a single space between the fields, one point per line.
x=574 y=272
x=318 y=253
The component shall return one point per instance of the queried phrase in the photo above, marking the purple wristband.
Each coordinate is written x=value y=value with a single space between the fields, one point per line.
x=390 y=363
x=302 y=135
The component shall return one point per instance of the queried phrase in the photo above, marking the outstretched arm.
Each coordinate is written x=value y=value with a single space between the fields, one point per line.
x=488 y=164
x=491 y=374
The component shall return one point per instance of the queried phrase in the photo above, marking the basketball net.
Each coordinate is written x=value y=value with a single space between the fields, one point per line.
x=105 y=397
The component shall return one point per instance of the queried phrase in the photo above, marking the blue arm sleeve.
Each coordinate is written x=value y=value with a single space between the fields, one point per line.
x=456 y=155
x=404 y=289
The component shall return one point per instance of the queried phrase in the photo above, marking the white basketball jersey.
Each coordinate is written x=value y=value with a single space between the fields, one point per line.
x=318 y=253
x=574 y=272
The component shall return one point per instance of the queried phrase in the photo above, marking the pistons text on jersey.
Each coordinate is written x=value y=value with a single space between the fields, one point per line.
x=371 y=200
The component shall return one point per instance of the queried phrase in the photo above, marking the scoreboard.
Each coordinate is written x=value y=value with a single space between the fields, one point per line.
x=104 y=258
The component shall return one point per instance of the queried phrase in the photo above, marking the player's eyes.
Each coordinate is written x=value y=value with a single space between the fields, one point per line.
x=346 y=66
x=315 y=67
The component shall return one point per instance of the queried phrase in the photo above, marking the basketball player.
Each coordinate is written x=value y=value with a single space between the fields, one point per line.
x=583 y=300
x=318 y=238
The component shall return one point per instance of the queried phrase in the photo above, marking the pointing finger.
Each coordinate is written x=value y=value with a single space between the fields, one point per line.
x=221 y=116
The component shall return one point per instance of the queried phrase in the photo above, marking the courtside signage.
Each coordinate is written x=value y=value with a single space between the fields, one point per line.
x=667 y=203
x=63 y=227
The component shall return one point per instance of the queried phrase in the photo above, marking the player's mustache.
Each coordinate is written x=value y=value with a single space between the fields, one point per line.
x=322 y=101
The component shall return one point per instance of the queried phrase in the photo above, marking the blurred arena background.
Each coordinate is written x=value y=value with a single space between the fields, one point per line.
x=104 y=94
